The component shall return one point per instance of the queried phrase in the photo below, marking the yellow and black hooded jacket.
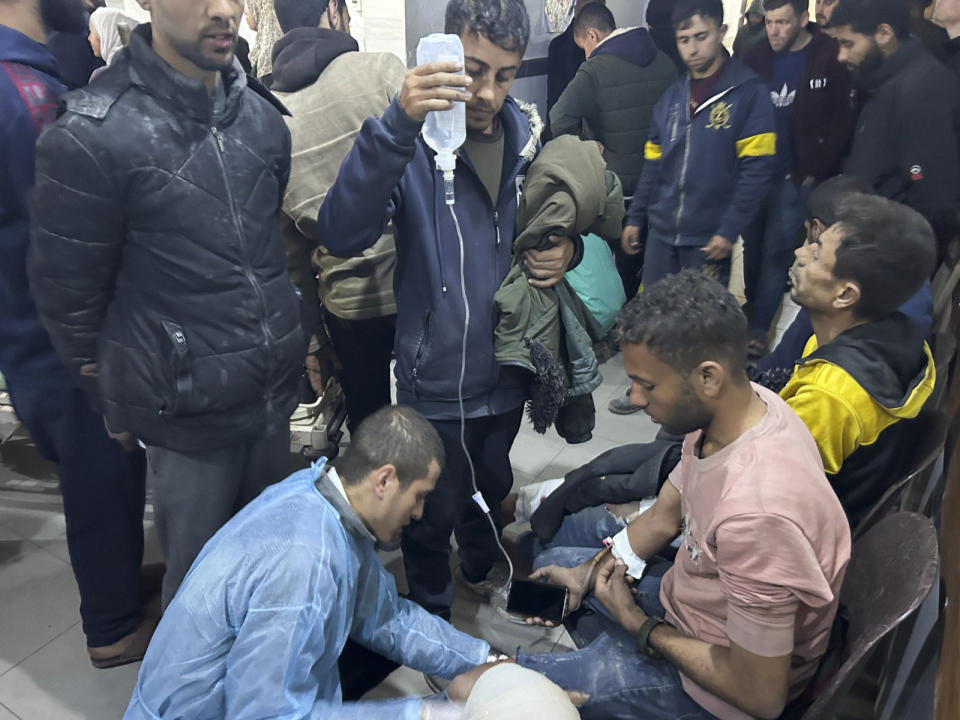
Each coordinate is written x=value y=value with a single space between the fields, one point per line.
x=854 y=394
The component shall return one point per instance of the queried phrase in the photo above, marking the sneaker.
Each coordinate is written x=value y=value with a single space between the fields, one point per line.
x=492 y=589
x=623 y=406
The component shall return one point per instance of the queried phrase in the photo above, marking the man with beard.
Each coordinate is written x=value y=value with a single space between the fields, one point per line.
x=102 y=484
x=258 y=625
x=737 y=625
x=158 y=269
x=451 y=261
x=906 y=141
x=822 y=10
x=865 y=371
x=815 y=113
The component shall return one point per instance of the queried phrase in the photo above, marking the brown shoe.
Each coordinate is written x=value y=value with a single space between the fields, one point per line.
x=128 y=649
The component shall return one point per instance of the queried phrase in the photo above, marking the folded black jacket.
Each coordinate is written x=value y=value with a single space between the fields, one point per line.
x=623 y=474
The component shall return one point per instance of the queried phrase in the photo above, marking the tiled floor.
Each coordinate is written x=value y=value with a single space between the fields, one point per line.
x=44 y=670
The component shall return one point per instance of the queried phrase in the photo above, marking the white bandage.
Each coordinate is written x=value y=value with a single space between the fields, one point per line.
x=530 y=496
x=624 y=553
x=440 y=710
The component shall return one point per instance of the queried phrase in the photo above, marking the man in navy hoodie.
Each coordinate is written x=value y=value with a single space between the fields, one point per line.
x=390 y=174
x=708 y=162
x=709 y=158
x=102 y=485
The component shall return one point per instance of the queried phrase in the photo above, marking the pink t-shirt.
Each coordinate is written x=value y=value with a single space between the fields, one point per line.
x=764 y=549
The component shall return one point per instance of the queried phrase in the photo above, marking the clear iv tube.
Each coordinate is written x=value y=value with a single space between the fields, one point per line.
x=463 y=421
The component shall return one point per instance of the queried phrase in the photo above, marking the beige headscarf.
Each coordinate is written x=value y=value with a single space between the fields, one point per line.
x=510 y=692
x=106 y=21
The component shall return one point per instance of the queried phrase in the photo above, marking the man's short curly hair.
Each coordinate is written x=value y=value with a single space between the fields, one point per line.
x=505 y=23
x=687 y=319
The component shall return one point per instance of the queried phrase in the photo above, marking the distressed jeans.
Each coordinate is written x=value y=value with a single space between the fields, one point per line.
x=584 y=529
x=623 y=684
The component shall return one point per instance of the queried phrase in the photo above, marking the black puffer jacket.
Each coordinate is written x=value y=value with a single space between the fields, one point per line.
x=156 y=254
x=906 y=141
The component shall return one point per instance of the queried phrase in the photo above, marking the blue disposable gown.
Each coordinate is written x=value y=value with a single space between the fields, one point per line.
x=259 y=622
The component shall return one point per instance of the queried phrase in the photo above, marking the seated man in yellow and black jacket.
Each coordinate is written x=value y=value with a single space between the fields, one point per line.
x=860 y=373
x=866 y=368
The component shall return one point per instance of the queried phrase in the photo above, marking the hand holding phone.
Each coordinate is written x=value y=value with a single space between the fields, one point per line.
x=538 y=600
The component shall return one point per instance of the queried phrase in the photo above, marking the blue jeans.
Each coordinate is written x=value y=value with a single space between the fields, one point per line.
x=622 y=683
x=661 y=258
x=584 y=529
x=768 y=246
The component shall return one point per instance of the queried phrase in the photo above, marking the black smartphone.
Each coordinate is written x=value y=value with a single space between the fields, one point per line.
x=535 y=599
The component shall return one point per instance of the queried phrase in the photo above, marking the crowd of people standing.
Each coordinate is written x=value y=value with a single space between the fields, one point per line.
x=184 y=237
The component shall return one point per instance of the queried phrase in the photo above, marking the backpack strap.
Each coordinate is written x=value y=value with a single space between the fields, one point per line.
x=34 y=92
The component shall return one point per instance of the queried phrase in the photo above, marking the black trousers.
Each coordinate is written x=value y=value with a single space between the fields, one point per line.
x=449 y=508
x=103 y=495
x=365 y=348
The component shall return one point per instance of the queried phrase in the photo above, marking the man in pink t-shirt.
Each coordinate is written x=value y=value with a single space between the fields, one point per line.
x=743 y=616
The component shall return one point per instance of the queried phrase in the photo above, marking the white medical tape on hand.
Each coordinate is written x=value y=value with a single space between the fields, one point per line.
x=624 y=553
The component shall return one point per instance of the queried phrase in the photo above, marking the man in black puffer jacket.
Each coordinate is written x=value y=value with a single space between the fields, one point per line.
x=158 y=269
x=906 y=141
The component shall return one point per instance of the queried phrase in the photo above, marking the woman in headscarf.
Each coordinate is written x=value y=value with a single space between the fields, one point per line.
x=262 y=19
x=106 y=37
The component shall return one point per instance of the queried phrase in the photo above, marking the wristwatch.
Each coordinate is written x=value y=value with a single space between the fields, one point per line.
x=643 y=637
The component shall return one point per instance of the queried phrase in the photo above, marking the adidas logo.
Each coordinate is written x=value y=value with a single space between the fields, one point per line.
x=783 y=98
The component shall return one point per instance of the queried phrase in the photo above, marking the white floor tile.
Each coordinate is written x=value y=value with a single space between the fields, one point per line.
x=38 y=601
x=33 y=524
x=59 y=682
x=6 y=714
x=521 y=479
x=573 y=456
x=623 y=429
x=531 y=452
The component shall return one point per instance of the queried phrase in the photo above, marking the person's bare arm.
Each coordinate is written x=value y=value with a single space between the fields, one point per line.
x=755 y=684
x=652 y=530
